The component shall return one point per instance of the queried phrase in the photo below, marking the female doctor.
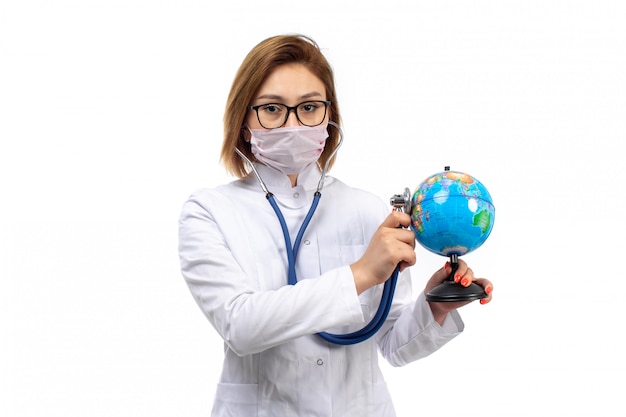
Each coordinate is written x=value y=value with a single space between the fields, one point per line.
x=271 y=302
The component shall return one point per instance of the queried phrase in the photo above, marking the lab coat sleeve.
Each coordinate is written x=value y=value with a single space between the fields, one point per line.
x=411 y=332
x=221 y=280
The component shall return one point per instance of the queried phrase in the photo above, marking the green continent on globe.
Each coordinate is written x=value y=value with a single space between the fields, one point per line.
x=482 y=219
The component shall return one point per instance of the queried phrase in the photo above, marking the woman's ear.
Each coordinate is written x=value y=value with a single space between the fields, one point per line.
x=245 y=134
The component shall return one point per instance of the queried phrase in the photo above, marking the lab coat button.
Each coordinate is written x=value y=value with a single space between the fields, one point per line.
x=296 y=195
x=307 y=242
x=320 y=362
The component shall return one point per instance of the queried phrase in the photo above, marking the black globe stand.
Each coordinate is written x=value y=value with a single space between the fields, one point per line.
x=450 y=291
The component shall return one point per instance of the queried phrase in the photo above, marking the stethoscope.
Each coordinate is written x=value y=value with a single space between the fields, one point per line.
x=389 y=287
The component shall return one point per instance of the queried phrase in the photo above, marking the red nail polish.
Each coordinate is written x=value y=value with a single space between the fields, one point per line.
x=465 y=282
x=457 y=278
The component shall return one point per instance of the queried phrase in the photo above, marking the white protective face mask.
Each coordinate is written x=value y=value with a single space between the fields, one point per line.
x=290 y=150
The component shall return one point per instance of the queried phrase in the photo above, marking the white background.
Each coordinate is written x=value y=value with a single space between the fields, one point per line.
x=110 y=116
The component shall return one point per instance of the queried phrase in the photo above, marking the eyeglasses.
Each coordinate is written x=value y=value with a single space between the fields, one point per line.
x=274 y=115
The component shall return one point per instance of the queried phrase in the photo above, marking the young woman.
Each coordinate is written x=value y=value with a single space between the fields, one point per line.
x=285 y=260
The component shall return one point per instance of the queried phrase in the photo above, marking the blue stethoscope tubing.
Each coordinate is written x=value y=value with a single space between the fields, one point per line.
x=388 y=289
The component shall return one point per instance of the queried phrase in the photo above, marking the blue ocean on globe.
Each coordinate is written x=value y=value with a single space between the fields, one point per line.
x=451 y=213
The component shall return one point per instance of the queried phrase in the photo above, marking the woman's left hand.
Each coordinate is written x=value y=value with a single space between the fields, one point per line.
x=463 y=276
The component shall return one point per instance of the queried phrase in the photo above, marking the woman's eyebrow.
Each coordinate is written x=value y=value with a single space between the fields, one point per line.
x=277 y=97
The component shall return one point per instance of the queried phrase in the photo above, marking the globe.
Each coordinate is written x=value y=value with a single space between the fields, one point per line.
x=452 y=213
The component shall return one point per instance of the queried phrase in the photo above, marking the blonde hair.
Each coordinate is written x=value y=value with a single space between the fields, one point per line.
x=257 y=65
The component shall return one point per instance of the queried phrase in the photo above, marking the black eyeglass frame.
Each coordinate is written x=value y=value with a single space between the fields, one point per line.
x=289 y=110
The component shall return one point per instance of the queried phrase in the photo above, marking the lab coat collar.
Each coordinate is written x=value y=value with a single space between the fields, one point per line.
x=279 y=184
x=275 y=179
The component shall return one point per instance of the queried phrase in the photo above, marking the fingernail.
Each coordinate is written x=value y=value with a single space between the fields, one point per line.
x=489 y=289
x=483 y=301
x=457 y=278
x=465 y=282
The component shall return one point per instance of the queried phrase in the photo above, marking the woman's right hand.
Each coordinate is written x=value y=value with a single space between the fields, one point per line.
x=391 y=245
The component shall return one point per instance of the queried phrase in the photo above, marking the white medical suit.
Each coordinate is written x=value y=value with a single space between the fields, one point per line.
x=233 y=259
